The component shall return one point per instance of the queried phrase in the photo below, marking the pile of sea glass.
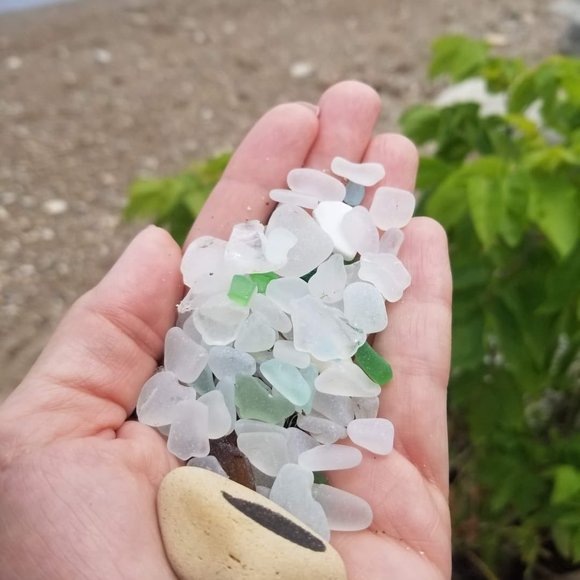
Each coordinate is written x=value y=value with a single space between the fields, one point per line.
x=271 y=341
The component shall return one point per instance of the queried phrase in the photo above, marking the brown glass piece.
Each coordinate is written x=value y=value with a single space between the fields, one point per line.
x=234 y=462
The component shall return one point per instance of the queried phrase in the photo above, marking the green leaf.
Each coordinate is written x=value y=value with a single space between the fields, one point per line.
x=515 y=189
x=420 y=123
x=567 y=540
x=151 y=198
x=432 y=171
x=485 y=207
x=522 y=92
x=555 y=209
x=458 y=56
x=566 y=484
x=468 y=341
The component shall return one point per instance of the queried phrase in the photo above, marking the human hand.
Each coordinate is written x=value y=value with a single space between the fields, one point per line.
x=78 y=481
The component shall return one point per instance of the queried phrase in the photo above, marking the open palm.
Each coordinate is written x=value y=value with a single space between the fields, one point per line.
x=78 y=481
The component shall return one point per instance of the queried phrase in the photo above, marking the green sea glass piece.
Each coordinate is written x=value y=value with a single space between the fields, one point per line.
x=263 y=279
x=373 y=364
x=242 y=289
x=254 y=400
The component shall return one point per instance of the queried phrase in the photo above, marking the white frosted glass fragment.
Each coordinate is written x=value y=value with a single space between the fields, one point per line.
x=227 y=362
x=210 y=463
x=376 y=435
x=329 y=280
x=244 y=252
x=364 y=307
x=391 y=241
x=263 y=356
x=298 y=441
x=219 y=418
x=316 y=183
x=203 y=266
x=352 y=272
x=254 y=426
x=188 y=436
x=183 y=356
x=164 y=430
x=360 y=231
x=278 y=242
x=346 y=379
x=313 y=245
x=387 y=273
x=263 y=490
x=227 y=388
x=255 y=334
x=329 y=215
x=284 y=291
x=159 y=398
x=366 y=407
x=392 y=207
x=323 y=331
x=345 y=511
x=192 y=300
x=366 y=174
x=265 y=451
x=292 y=490
x=218 y=319
x=190 y=330
x=330 y=458
x=275 y=316
x=294 y=198
x=322 y=429
x=284 y=351
x=337 y=409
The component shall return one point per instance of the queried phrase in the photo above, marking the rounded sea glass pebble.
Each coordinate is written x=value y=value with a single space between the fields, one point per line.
x=346 y=379
x=321 y=429
x=183 y=357
x=392 y=208
x=219 y=418
x=284 y=291
x=376 y=435
x=364 y=307
x=329 y=214
x=273 y=314
x=330 y=458
x=387 y=273
x=313 y=245
x=287 y=380
x=366 y=174
x=226 y=362
x=336 y=408
x=345 y=511
x=294 y=198
x=255 y=334
x=329 y=280
x=316 y=183
x=188 y=436
x=159 y=398
x=266 y=451
x=203 y=266
x=292 y=490
x=360 y=231
x=391 y=241
x=218 y=320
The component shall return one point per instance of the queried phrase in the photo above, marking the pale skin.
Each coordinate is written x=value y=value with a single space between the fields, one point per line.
x=78 y=481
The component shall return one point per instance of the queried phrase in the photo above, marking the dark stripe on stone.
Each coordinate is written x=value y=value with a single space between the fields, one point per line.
x=276 y=523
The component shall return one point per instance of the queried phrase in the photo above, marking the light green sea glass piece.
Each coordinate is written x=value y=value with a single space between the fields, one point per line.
x=373 y=364
x=242 y=289
x=254 y=400
x=287 y=380
x=262 y=280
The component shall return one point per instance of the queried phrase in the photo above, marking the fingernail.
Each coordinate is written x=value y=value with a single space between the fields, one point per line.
x=314 y=108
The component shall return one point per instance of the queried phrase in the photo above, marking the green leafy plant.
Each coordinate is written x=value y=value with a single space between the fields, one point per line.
x=506 y=187
x=174 y=202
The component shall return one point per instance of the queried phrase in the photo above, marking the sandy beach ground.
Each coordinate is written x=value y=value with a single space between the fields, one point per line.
x=95 y=93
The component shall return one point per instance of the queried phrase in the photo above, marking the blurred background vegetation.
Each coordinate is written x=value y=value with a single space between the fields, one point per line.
x=501 y=171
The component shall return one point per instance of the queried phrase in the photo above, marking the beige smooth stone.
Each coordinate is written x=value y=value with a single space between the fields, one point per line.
x=215 y=529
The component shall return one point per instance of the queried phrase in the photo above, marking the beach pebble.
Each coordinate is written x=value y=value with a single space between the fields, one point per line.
x=363 y=173
x=376 y=435
x=198 y=511
x=392 y=207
